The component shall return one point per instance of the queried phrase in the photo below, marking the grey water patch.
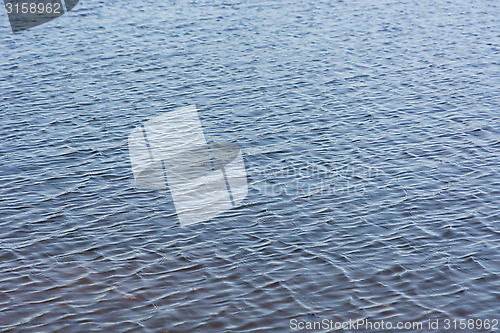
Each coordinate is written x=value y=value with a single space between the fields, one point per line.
x=26 y=14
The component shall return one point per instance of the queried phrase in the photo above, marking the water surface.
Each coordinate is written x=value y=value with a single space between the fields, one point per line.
x=370 y=134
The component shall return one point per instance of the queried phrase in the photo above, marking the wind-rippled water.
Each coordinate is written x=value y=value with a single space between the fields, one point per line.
x=371 y=137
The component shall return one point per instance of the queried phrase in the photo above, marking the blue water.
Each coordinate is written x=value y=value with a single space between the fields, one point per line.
x=371 y=138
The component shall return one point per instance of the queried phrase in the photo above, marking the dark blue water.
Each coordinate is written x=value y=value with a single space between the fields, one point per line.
x=371 y=137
